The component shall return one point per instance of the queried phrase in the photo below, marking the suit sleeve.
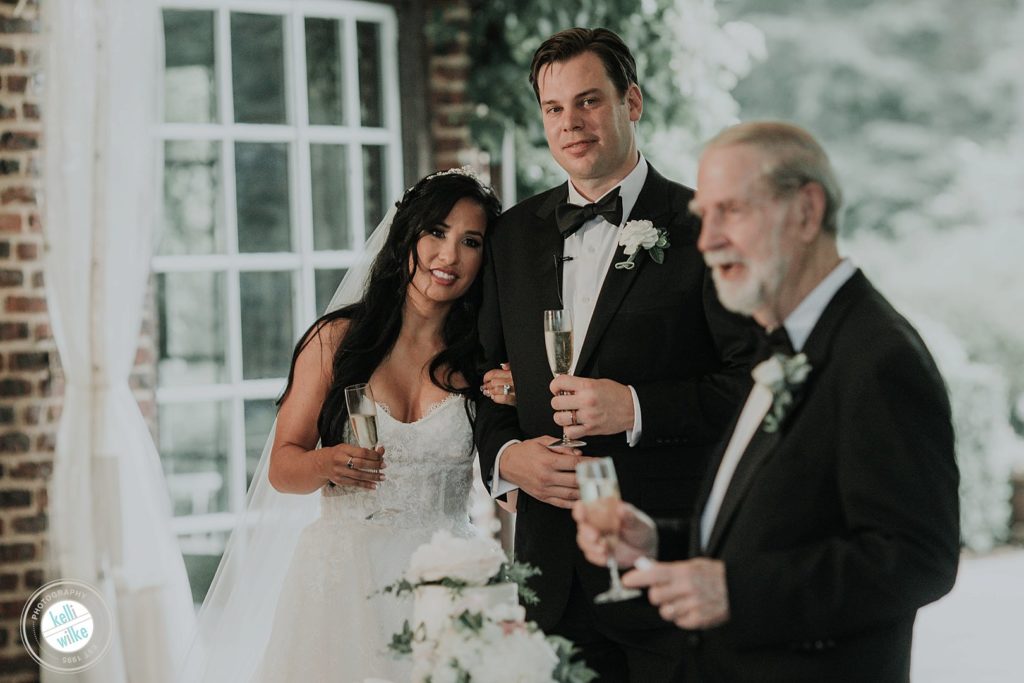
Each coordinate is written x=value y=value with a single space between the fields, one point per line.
x=697 y=410
x=495 y=424
x=898 y=548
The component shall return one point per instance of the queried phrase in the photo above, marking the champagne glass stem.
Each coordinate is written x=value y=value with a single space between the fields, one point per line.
x=613 y=568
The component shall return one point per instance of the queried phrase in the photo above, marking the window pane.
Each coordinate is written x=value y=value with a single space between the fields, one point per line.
x=202 y=553
x=267 y=327
x=192 y=209
x=257 y=68
x=263 y=197
x=370 y=90
x=190 y=85
x=326 y=282
x=259 y=418
x=194 y=442
x=373 y=186
x=330 y=197
x=323 y=72
x=193 y=340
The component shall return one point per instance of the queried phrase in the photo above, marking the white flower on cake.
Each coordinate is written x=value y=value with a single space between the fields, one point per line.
x=505 y=612
x=473 y=647
x=471 y=561
x=468 y=626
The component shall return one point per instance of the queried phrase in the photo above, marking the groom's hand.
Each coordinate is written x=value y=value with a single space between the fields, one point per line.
x=547 y=474
x=591 y=406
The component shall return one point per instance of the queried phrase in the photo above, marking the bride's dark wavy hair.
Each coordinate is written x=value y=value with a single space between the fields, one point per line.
x=375 y=320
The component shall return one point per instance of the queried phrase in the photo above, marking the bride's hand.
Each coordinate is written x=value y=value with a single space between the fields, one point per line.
x=348 y=465
x=499 y=385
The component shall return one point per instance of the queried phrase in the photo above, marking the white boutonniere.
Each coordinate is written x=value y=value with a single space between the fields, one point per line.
x=637 y=234
x=782 y=375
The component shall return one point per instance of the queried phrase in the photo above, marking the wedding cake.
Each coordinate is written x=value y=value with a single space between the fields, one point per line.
x=467 y=623
x=435 y=606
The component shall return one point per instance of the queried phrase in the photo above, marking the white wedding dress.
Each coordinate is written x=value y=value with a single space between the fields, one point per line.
x=329 y=624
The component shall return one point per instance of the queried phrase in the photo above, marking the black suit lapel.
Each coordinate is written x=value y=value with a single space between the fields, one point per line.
x=652 y=204
x=758 y=450
x=705 y=489
x=544 y=251
x=763 y=444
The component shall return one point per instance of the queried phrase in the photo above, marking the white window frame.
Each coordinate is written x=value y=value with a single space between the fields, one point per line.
x=298 y=135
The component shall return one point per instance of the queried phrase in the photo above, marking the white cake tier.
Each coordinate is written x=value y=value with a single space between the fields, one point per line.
x=434 y=605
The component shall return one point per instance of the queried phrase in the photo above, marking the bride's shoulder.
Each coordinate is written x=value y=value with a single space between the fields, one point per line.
x=327 y=334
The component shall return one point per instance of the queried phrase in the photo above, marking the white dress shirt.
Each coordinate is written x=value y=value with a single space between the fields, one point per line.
x=591 y=250
x=798 y=326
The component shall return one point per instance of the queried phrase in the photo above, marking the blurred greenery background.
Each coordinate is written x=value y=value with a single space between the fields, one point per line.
x=920 y=104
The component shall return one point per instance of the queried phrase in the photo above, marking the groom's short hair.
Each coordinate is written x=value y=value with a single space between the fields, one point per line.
x=617 y=59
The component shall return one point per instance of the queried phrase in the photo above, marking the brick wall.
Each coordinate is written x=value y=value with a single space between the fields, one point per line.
x=29 y=380
x=30 y=374
x=448 y=66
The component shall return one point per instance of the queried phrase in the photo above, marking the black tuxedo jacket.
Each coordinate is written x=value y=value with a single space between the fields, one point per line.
x=835 y=529
x=658 y=327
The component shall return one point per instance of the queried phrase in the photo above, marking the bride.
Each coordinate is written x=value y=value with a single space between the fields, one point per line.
x=293 y=598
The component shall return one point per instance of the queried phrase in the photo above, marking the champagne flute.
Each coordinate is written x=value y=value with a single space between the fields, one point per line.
x=362 y=415
x=558 y=344
x=599 y=491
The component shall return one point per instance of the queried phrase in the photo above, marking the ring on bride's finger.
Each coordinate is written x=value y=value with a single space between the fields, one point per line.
x=572 y=416
x=506 y=389
x=349 y=464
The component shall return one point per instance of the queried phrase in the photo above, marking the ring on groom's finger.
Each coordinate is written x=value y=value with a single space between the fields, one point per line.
x=572 y=416
x=349 y=464
x=506 y=389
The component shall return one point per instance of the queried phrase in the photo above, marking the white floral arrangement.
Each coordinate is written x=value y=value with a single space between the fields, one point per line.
x=782 y=375
x=495 y=646
x=642 y=234
x=459 y=563
x=472 y=638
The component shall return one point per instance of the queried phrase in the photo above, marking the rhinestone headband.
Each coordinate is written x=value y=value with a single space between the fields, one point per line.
x=461 y=170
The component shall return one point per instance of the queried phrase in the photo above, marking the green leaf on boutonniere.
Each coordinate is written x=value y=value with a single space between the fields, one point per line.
x=657 y=254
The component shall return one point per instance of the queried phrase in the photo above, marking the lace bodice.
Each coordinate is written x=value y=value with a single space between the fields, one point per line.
x=428 y=476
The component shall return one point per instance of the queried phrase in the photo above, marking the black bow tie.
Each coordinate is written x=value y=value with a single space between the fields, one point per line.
x=778 y=341
x=570 y=217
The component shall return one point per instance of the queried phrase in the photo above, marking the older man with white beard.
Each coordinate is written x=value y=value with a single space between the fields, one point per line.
x=831 y=514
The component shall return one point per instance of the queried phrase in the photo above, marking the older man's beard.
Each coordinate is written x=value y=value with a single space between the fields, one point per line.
x=758 y=288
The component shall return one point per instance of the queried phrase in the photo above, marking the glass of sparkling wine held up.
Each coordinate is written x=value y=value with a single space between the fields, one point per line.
x=599 y=491
x=558 y=344
x=362 y=415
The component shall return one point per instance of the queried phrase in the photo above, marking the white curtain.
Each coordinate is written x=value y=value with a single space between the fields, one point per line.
x=109 y=505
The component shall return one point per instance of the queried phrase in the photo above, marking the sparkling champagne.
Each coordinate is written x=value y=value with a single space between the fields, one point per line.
x=599 y=491
x=365 y=429
x=600 y=498
x=558 y=344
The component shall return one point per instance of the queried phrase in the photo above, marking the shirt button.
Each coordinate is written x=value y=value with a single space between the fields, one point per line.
x=586 y=299
x=591 y=250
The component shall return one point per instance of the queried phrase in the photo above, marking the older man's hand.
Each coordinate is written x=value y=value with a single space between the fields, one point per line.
x=691 y=594
x=637 y=536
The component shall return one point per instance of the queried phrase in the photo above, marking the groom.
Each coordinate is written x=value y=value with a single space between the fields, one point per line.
x=832 y=513
x=659 y=368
